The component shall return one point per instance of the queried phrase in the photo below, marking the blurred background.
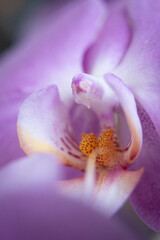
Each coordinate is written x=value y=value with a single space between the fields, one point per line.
x=13 y=14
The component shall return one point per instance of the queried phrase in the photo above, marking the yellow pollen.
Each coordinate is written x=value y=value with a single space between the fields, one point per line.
x=104 y=144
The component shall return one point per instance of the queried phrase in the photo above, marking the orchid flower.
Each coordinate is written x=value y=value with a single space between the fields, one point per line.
x=93 y=67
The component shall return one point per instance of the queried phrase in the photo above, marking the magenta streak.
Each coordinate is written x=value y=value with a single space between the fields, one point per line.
x=74 y=155
x=116 y=144
x=70 y=135
x=65 y=144
x=127 y=147
x=72 y=144
x=119 y=150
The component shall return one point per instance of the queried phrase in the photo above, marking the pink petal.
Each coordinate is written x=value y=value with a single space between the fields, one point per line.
x=128 y=104
x=38 y=170
x=146 y=198
x=39 y=214
x=32 y=209
x=140 y=67
x=44 y=126
x=9 y=147
x=110 y=46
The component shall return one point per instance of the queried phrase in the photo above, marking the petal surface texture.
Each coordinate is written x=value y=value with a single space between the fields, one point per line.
x=146 y=198
x=140 y=67
x=41 y=59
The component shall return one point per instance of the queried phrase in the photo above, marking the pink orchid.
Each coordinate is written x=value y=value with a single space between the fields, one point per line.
x=89 y=67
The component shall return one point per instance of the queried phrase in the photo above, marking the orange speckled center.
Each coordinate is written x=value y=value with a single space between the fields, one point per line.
x=105 y=145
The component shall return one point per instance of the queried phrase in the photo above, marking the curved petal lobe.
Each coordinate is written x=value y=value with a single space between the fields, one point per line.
x=44 y=126
x=128 y=104
x=110 y=46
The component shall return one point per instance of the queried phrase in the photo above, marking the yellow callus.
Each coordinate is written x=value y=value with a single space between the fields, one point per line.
x=105 y=145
